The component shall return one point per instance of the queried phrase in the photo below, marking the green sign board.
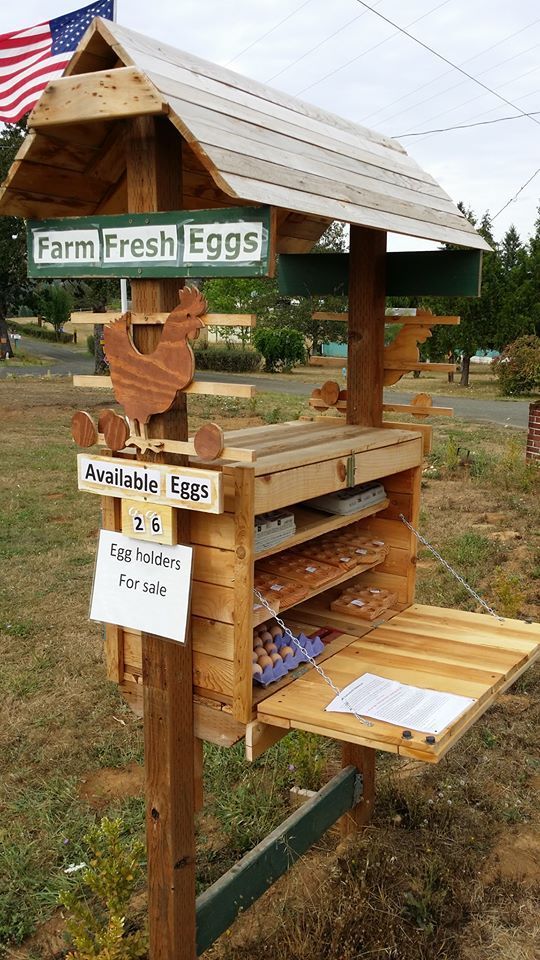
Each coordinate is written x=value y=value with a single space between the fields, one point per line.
x=231 y=242
x=426 y=273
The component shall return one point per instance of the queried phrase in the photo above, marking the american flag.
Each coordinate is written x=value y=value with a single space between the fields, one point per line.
x=30 y=58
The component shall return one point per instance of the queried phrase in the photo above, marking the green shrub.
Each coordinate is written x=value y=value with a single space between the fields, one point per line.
x=55 y=305
x=41 y=333
x=518 y=366
x=98 y=904
x=227 y=359
x=91 y=344
x=281 y=347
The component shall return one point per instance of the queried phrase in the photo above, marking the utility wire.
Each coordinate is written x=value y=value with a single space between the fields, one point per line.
x=446 y=73
x=454 y=86
x=268 y=32
x=441 y=56
x=318 y=45
x=516 y=195
x=483 y=113
x=369 y=49
x=466 y=126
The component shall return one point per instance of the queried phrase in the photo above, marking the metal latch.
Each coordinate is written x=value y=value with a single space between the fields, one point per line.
x=350 y=471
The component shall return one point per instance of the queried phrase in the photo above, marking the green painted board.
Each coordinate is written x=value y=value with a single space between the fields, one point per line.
x=244 y=883
x=426 y=273
x=233 y=242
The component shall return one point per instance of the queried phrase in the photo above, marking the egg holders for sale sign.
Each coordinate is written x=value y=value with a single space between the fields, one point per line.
x=142 y=586
x=234 y=242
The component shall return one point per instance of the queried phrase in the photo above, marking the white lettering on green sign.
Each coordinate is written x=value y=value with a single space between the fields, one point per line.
x=211 y=242
x=130 y=244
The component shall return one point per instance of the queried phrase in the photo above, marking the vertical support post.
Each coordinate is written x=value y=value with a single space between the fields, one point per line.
x=244 y=493
x=363 y=758
x=154 y=182
x=365 y=364
x=114 y=635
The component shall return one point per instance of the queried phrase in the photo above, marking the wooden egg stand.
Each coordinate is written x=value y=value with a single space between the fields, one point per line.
x=112 y=138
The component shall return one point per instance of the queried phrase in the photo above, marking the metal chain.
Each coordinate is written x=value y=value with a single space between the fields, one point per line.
x=317 y=666
x=450 y=569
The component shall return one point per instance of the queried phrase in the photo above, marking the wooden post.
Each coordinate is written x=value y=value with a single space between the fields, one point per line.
x=363 y=758
x=154 y=182
x=366 y=327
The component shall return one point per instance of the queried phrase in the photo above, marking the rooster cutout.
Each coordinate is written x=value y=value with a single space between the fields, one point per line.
x=147 y=383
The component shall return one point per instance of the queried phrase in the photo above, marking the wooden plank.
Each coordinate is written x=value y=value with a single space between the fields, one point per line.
x=425 y=429
x=197 y=387
x=363 y=760
x=387 y=460
x=154 y=160
x=105 y=94
x=276 y=490
x=212 y=602
x=424 y=273
x=259 y=869
x=244 y=489
x=408 y=367
x=419 y=320
x=260 y=737
x=367 y=258
x=212 y=673
x=210 y=534
x=114 y=635
x=209 y=319
x=198 y=787
x=214 y=565
x=418 y=410
x=211 y=722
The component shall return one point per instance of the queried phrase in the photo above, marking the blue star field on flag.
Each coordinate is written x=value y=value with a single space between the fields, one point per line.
x=67 y=30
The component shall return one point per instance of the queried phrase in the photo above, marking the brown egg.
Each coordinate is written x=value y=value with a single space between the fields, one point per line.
x=264 y=661
x=266 y=636
x=256 y=670
x=286 y=651
x=270 y=647
x=276 y=631
x=275 y=658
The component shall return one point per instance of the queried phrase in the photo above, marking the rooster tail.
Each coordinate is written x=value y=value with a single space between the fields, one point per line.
x=115 y=335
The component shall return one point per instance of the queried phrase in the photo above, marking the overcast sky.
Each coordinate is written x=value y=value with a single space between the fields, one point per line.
x=338 y=55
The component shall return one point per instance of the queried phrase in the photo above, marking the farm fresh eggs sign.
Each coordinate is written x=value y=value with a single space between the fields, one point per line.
x=234 y=242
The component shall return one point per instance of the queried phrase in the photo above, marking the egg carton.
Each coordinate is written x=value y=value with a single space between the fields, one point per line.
x=336 y=555
x=368 y=603
x=366 y=549
x=272 y=528
x=313 y=647
x=345 y=502
x=278 y=590
x=302 y=569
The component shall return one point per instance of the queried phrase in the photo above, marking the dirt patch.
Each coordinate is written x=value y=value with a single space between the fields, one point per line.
x=516 y=857
x=100 y=787
x=48 y=941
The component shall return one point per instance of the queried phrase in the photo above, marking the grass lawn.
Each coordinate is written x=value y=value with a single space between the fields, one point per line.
x=450 y=867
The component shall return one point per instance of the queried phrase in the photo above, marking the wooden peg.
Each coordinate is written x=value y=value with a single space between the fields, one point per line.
x=116 y=431
x=209 y=441
x=422 y=400
x=316 y=400
x=83 y=429
x=104 y=417
x=330 y=392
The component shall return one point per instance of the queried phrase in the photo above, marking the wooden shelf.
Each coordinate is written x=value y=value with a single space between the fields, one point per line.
x=341 y=578
x=312 y=523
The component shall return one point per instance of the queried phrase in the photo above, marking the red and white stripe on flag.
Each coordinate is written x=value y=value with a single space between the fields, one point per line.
x=31 y=58
x=27 y=64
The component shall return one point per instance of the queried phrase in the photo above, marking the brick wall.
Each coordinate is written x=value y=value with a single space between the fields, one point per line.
x=533 y=436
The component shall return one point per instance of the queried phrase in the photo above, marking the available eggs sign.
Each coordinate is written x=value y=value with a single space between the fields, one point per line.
x=184 y=487
x=235 y=242
x=142 y=586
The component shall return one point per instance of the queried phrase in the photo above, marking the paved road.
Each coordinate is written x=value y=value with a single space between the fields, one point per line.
x=64 y=359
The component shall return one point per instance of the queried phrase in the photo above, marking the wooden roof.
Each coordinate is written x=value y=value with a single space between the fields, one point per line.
x=247 y=143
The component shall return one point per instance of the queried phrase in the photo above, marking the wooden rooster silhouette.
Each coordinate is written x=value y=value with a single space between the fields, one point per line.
x=147 y=383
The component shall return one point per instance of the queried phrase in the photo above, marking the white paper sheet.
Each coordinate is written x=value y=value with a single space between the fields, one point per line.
x=413 y=708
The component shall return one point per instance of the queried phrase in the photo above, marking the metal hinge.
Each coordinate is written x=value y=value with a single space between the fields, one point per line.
x=358 y=791
x=351 y=470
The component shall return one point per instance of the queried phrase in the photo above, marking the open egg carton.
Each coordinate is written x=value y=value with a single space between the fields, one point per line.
x=275 y=655
x=367 y=603
x=301 y=568
x=278 y=591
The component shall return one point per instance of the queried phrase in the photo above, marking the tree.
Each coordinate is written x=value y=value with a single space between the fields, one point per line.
x=55 y=302
x=15 y=287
